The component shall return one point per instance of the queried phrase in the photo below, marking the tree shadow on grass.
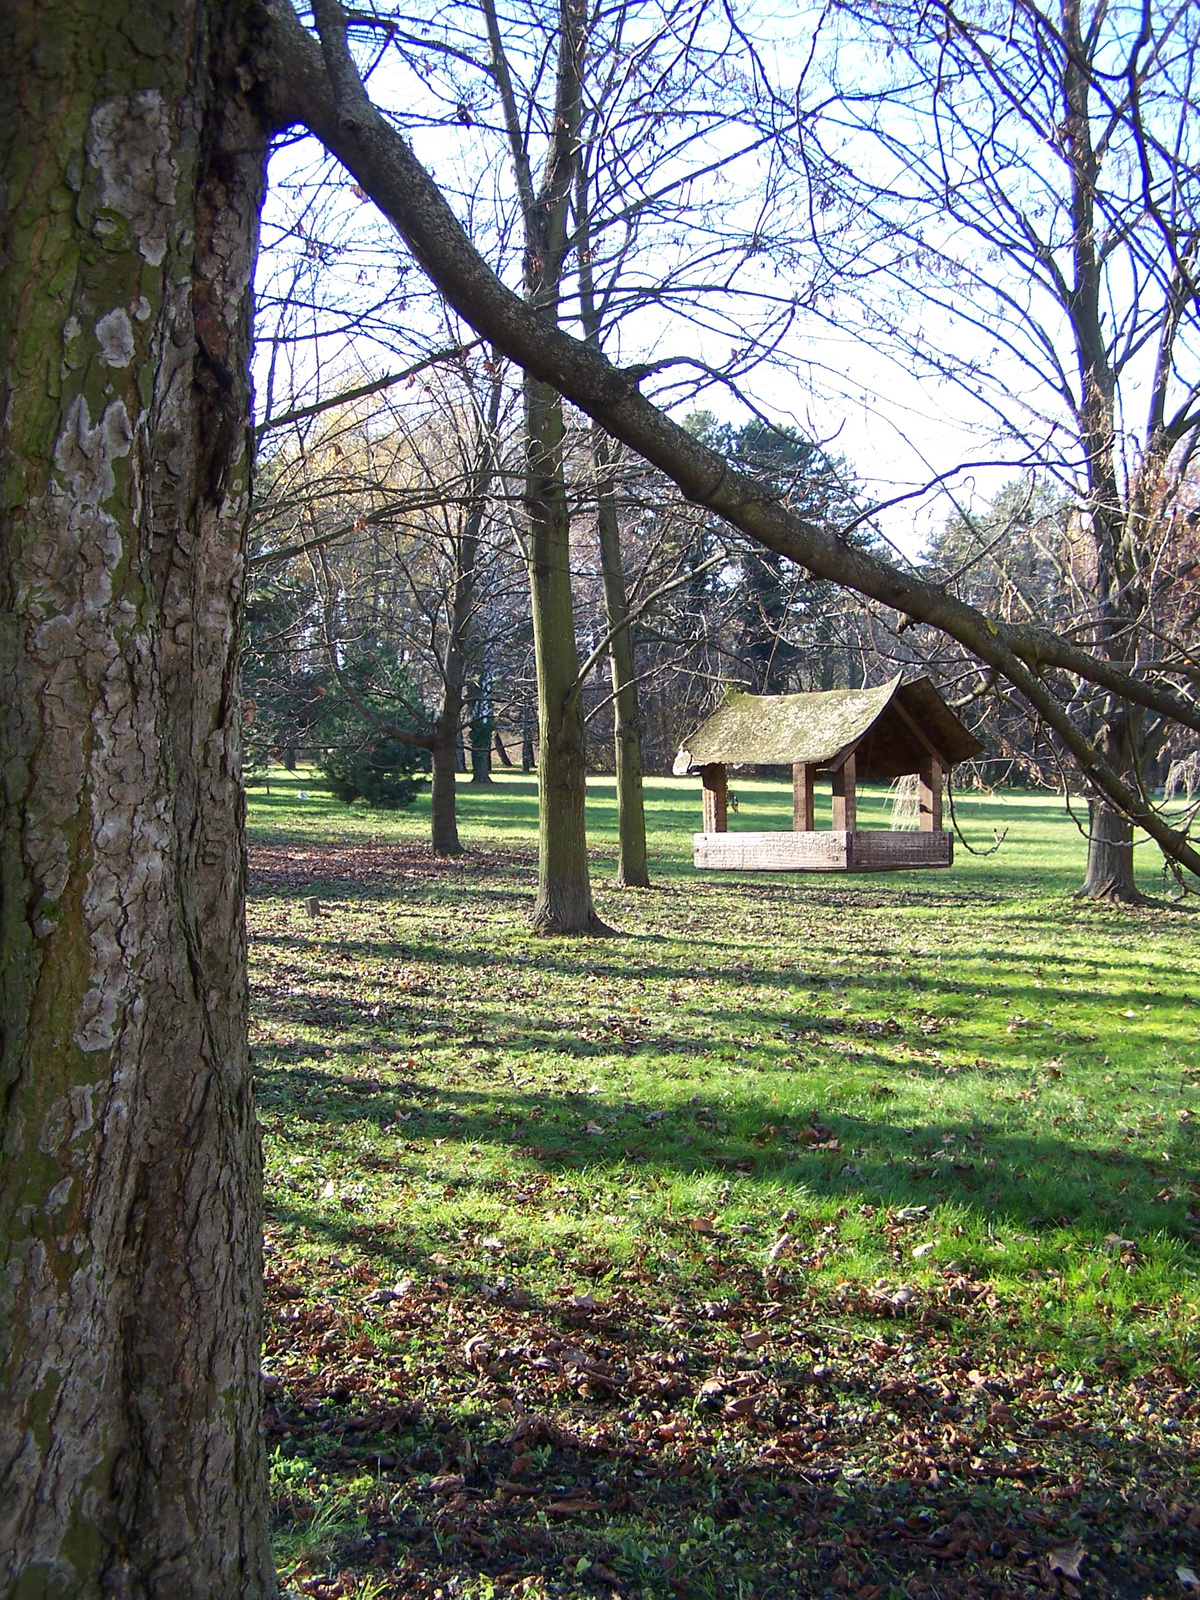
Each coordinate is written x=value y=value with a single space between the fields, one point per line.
x=1046 y=1184
x=1077 y=979
x=871 y=1457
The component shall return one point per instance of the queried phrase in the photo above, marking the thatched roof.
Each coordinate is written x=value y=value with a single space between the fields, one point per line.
x=880 y=725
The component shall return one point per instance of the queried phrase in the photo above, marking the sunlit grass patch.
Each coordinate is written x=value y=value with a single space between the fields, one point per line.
x=945 y=1117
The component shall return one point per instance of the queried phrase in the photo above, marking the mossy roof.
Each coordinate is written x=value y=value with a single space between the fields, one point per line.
x=894 y=726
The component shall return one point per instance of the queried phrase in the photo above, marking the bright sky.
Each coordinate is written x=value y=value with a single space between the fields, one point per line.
x=361 y=308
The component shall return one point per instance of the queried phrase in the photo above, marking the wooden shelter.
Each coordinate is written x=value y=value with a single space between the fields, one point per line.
x=849 y=735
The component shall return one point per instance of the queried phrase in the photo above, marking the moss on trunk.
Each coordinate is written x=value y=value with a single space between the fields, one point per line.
x=130 y=1190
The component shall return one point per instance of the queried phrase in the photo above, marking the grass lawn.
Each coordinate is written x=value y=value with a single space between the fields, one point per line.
x=815 y=1235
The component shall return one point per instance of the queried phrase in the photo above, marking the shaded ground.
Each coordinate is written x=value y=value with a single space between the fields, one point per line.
x=820 y=1242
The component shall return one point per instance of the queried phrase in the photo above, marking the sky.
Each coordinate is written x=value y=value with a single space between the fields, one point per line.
x=362 y=307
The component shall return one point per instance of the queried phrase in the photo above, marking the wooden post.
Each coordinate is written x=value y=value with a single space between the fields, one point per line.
x=930 y=793
x=716 y=817
x=802 y=797
x=845 y=798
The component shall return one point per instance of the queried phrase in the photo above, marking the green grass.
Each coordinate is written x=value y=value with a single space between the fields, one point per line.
x=924 y=1131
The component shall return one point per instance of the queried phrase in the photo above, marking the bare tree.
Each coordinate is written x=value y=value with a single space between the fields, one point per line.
x=1033 y=176
x=392 y=513
x=337 y=108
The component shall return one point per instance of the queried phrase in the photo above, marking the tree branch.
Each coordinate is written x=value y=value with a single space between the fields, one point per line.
x=382 y=162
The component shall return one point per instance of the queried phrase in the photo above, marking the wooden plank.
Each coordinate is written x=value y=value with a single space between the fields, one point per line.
x=929 y=794
x=771 y=852
x=845 y=796
x=716 y=809
x=873 y=850
x=869 y=850
x=803 y=784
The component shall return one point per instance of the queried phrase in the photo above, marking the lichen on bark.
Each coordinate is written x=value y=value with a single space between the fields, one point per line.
x=130 y=1458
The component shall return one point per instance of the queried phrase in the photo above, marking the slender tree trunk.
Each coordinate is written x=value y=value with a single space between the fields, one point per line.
x=447 y=735
x=564 y=897
x=632 y=869
x=131 y=1459
x=447 y=740
x=528 y=757
x=443 y=801
x=502 y=754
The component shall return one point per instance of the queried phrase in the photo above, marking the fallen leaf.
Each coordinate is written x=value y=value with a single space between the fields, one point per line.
x=328 y=1192
x=593 y=1128
x=1187 y=1578
x=477 y=1350
x=745 y=1405
x=701 y=1224
x=570 y=1508
x=446 y=1483
x=1068 y=1561
x=781 y=1244
x=755 y=1341
x=923 y=1249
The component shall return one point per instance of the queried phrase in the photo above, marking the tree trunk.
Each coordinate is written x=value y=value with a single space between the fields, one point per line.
x=632 y=869
x=131 y=1458
x=1110 y=874
x=564 y=897
x=443 y=800
x=528 y=757
x=481 y=741
x=502 y=754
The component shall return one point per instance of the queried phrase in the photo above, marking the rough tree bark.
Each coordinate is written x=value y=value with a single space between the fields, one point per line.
x=131 y=1462
x=1109 y=873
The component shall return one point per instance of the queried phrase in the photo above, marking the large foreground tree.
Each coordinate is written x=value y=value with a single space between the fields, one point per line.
x=131 y=1462
x=133 y=145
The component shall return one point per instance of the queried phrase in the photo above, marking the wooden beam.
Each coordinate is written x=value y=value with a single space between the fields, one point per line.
x=915 y=728
x=716 y=814
x=875 y=851
x=930 y=795
x=803 y=773
x=845 y=796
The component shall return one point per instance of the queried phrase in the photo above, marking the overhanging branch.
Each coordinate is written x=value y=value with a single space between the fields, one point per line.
x=334 y=106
